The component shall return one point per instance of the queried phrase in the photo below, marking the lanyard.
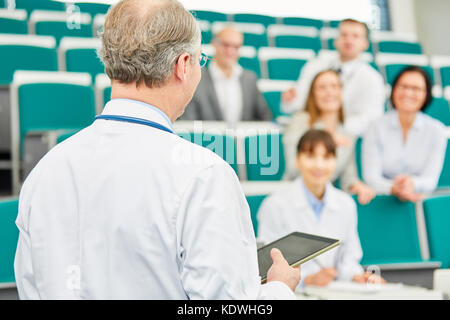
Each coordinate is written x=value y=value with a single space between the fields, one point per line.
x=134 y=120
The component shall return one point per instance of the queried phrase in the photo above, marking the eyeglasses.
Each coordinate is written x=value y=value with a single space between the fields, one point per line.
x=203 y=59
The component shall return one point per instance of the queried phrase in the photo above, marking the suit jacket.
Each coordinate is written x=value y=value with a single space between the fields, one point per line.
x=205 y=104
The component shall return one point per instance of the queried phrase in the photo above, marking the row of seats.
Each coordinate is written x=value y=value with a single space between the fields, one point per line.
x=79 y=55
x=82 y=24
x=396 y=221
x=385 y=215
x=37 y=97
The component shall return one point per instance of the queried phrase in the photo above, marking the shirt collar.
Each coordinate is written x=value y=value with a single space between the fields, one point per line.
x=301 y=201
x=217 y=73
x=137 y=109
x=395 y=122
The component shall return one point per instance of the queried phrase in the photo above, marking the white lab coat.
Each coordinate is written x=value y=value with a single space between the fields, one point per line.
x=288 y=210
x=127 y=211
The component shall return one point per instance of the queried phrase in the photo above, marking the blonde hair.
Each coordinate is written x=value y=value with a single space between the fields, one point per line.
x=311 y=105
x=142 y=40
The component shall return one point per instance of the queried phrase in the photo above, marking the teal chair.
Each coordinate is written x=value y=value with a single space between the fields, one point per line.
x=206 y=36
x=254 y=202
x=60 y=29
x=334 y=23
x=254 y=18
x=444 y=179
x=251 y=64
x=84 y=60
x=31 y=5
x=255 y=40
x=437 y=220
x=298 y=42
x=210 y=16
x=388 y=231
x=273 y=99
x=358 y=156
x=303 y=22
x=13 y=25
x=93 y=8
x=445 y=76
x=224 y=146
x=400 y=47
x=264 y=157
x=440 y=110
x=9 y=235
x=107 y=95
x=392 y=70
x=285 y=69
x=44 y=57
x=47 y=101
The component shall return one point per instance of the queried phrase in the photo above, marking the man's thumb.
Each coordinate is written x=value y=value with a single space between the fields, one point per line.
x=276 y=255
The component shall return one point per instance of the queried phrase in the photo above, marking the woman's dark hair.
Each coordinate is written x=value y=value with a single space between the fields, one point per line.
x=428 y=82
x=314 y=137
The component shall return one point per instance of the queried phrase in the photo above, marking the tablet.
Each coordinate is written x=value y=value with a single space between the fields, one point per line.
x=296 y=247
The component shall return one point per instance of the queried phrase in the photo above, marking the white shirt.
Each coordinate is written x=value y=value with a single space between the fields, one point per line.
x=126 y=211
x=288 y=210
x=385 y=154
x=363 y=91
x=229 y=92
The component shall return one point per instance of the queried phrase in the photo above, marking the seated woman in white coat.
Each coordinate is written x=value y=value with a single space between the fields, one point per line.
x=403 y=151
x=324 y=110
x=311 y=204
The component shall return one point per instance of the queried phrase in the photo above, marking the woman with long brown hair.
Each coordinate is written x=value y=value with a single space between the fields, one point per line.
x=324 y=110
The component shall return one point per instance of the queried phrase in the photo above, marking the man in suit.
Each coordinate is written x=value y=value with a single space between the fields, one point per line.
x=226 y=91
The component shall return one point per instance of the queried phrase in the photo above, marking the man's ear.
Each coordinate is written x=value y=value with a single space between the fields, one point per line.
x=181 y=66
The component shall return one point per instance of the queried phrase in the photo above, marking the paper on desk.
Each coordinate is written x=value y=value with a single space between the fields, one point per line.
x=348 y=286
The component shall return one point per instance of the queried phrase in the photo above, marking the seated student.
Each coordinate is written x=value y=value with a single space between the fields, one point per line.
x=403 y=152
x=363 y=86
x=324 y=110
x=312 y=205
x=227 y=92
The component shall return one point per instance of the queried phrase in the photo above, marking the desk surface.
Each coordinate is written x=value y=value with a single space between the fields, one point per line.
x=402 y=292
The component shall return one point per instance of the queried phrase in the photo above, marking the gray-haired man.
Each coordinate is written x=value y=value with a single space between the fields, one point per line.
x=115 y=212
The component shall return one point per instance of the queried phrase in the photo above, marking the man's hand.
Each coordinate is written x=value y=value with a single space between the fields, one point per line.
x=289 y=95
x=321 y=278
x=282 y=271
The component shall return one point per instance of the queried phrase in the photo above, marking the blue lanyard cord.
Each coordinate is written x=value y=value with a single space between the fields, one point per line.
x=134 y=120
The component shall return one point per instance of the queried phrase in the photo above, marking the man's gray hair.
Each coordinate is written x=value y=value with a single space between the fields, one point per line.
x=142 y=39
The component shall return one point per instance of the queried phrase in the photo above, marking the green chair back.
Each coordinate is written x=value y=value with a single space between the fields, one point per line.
x=59 y=29
x=206 y=36
x=84 y=60
x=255 y=40
x=399 y=47
x=440 y=110
x=285 y=69
x=210 y=16
x=444 y=179
x=392 y=70
x=254 y=18
x=273 y=99
x=18 y=57
x=303 y=22
x=9 y=235
x=298 y=42
x=437 y=220
x=388 y=231
x=16 y=26
x=264 y=157
x=254 y=202
x=445 y=76
x=93 y=8
x=358 y=156
x=251 y=64
x=31 y=5
x=54 y=106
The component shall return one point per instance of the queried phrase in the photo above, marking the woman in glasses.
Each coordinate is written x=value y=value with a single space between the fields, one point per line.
x=403 y=152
